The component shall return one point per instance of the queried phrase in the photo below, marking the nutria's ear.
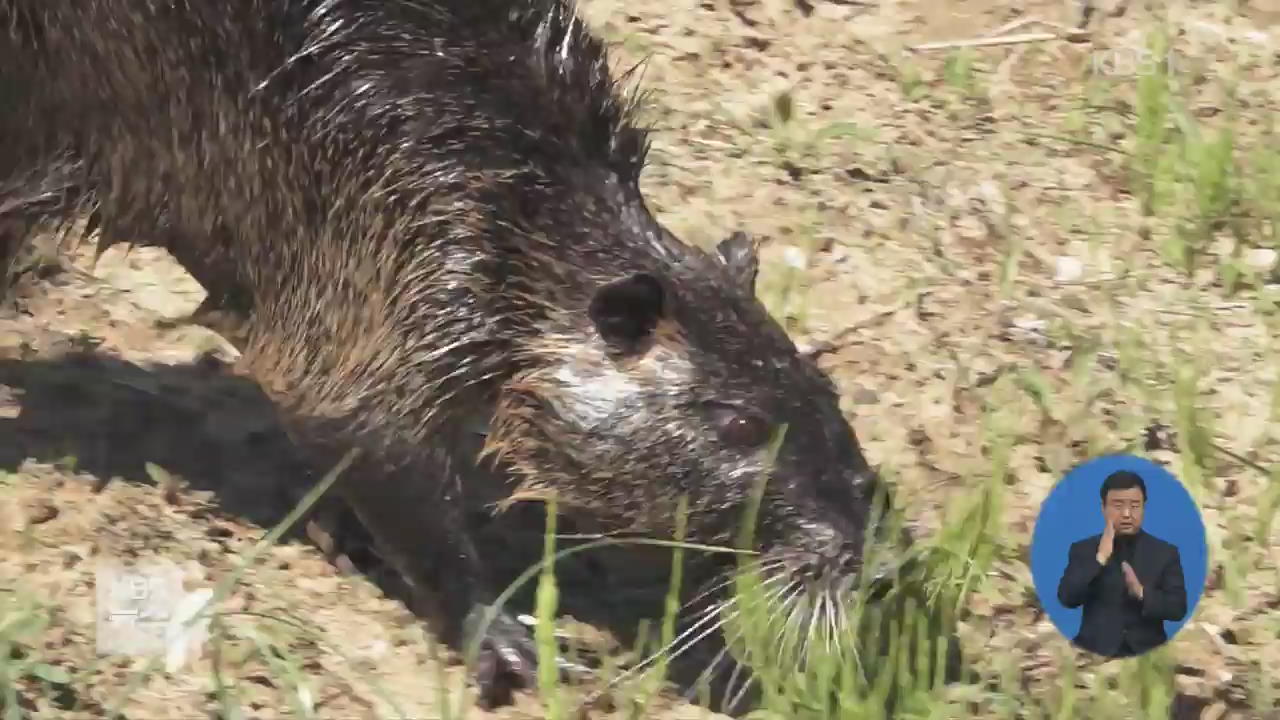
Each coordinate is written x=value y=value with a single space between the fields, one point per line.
x=738 y=253
x=625 y=312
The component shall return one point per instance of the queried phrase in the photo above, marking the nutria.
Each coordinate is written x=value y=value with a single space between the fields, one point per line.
x=429 y=214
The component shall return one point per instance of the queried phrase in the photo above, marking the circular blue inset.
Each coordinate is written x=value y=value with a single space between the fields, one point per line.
x=1073 y=512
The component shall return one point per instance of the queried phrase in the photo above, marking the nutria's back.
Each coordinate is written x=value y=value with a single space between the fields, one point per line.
x=432 y=213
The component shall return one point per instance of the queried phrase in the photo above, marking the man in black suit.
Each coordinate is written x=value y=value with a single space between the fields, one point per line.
x=1128 y=581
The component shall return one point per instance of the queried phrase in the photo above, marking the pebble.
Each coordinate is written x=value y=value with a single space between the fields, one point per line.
x=41 y=511
x=795 y=257
x=1030 y=324
x=1261 y=258
x=865 y=396
x=1067 y=269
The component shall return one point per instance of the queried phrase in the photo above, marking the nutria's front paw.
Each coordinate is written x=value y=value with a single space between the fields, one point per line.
x=506 y=659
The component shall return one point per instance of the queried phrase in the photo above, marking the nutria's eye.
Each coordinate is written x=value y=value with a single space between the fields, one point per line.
x=741 y=428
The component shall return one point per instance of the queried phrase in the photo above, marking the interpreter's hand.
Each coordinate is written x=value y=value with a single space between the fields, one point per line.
x=1131 y=580
x=1107 y=544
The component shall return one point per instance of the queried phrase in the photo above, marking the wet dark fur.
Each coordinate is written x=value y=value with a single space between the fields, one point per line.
x=429 y=214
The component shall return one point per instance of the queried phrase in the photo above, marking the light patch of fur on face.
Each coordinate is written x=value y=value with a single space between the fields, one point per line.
x=593 y=390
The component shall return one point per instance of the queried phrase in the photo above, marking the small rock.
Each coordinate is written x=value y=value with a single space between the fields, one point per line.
x=865 y=396
x=219 y=531
x=857 y=173
x=795 y=172
x=41 y=511
x=795 y=257
x=1067 y=269
x=1030 y=324
x=208 y=553
x=1261 y=258
x=1159 y=436
x=261 y=679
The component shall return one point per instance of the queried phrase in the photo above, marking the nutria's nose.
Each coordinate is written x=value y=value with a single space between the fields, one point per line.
x=836 y=559
x=849 y=563
x=888 y=576
x=880 y=585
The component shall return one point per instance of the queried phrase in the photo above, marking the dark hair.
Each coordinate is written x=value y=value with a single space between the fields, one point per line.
x=1122 y=480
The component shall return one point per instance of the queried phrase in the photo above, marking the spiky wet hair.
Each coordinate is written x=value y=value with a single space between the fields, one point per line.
x=562 y=98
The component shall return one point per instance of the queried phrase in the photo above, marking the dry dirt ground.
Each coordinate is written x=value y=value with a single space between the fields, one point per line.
x=959 y=220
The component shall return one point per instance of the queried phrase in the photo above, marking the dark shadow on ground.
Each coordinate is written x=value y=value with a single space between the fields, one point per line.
x=214 y=430
x=219 y=433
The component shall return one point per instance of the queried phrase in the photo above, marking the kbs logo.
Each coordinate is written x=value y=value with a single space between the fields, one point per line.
x=143 y=610
x=1133 y=61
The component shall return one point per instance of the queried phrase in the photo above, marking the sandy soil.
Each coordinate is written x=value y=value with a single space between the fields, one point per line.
x=905 y=200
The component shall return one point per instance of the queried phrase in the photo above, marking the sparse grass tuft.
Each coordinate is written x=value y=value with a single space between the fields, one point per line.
x=1193 y=424
x=1190 y=173
x=910 y=79
x=1149 y=166
x=23 y=620
x=958 y=71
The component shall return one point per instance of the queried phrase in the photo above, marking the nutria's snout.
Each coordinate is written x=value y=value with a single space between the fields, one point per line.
x=839 y=562
x=838 y=568
x=828 y=527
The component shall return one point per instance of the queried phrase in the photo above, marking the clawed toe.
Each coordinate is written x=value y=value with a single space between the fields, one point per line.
x=507 y=660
